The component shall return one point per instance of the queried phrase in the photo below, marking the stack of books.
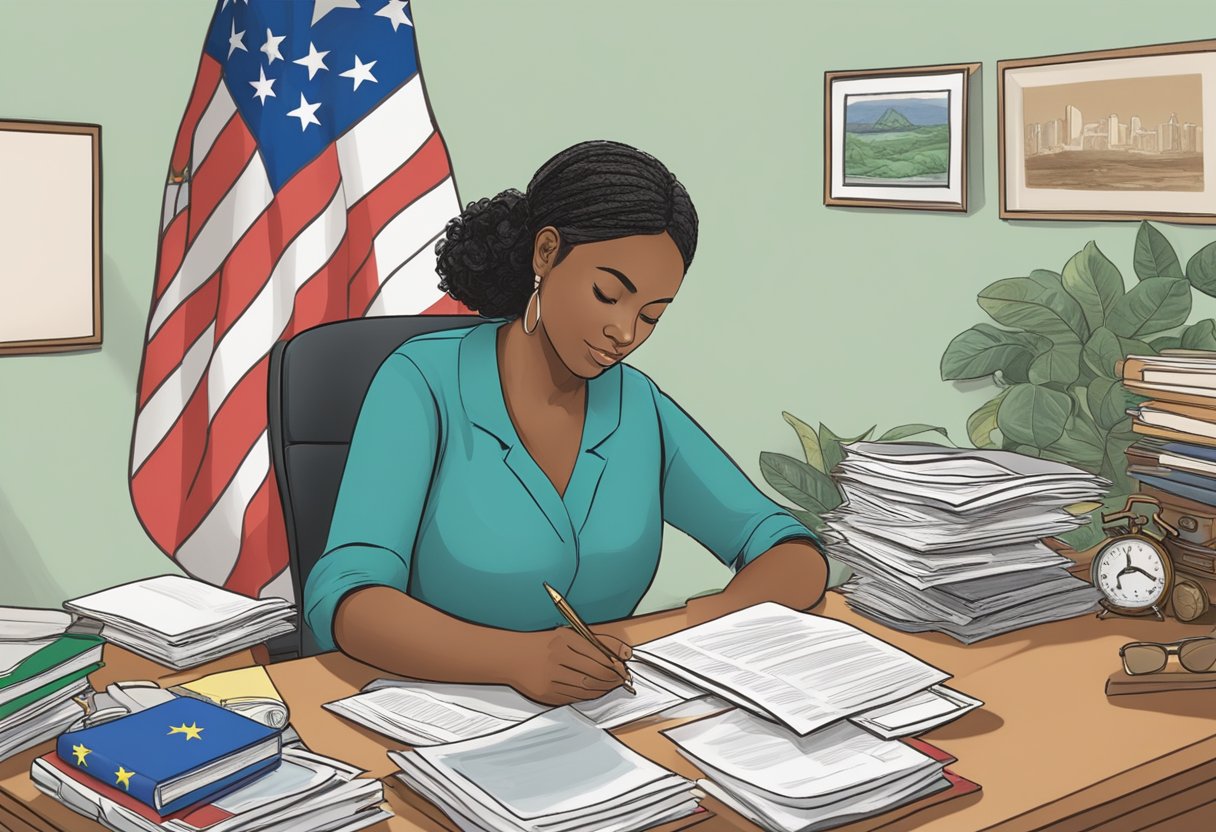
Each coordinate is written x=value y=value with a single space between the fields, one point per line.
x=950 y=539
x=42 y=670
x=186 y=765
x=180 y=622
x=1176 y=453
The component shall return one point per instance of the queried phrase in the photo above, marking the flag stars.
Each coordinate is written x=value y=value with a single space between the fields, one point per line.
x=324 y=7
x=192 y=732
x=395 y=12
x=235 y=40
x=81 y=752
x=271 y=46
x=360 y=72
x=306 y=113
x=264 y=87
x=123 y=778
x=314 y=60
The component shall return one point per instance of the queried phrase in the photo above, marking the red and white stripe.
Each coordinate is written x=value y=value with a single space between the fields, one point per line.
x=239 y=268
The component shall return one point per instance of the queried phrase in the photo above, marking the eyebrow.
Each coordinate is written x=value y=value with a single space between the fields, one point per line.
x=628 y=284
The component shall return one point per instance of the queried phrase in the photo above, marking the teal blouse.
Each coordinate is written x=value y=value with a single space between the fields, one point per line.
x=441 y=499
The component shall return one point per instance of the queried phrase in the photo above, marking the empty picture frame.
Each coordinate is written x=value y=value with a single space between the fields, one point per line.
x=50 y=236
x=897 y=137
x=1117 y=134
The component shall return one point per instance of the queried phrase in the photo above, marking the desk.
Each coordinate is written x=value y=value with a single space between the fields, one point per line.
x=1048 y=748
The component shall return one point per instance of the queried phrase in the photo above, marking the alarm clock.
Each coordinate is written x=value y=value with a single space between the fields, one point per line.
x=1132 y=568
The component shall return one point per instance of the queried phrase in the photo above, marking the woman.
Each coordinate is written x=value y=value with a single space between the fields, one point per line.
x=522 y=450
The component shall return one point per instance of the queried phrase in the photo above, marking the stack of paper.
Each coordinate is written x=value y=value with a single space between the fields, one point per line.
x=557 y=772
x=950 y=539
x=306 y=791
x=427 y=713
x=781 y=781
x=41 y=670
x=181 y=622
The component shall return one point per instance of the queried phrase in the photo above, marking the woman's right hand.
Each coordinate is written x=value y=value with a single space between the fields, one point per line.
x=558 y=667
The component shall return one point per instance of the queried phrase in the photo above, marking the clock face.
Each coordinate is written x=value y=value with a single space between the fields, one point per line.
x=1131 y=573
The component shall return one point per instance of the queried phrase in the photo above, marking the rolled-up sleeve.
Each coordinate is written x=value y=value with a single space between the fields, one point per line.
x=706 y=495
x=382 y=494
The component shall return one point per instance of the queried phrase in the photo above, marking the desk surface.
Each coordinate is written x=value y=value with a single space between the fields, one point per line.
x=1049 y=748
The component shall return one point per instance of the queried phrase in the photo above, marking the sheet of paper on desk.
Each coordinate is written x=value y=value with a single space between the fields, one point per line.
x=425 y=713
x=557 y=772
x=787 y=782
x=918 y=713
x=26 y=623
x=802 y=670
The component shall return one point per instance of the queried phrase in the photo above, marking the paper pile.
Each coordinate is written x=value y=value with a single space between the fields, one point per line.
x=557 y=772
x=181 y=622
x=950 y=539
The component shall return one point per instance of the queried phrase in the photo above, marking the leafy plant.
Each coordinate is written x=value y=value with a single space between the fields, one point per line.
x=1055 y=361
x=808 y=484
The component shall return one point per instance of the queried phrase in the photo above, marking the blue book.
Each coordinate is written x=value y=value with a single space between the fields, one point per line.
x=1202 y=452
x=175 y=754
x=1179 y=488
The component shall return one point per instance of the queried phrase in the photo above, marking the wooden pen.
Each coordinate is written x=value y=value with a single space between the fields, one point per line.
x=583 y=630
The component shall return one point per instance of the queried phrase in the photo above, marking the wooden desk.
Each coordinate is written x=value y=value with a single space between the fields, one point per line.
x=1050 y=750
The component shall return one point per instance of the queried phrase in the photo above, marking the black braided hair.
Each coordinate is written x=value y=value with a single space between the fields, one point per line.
x=593 y=191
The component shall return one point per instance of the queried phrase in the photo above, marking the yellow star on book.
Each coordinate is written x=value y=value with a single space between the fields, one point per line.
x=192 y=732
x=124 y=778
x=81 y=752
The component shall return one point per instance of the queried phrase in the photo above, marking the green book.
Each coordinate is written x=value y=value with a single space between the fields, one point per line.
x=40 y=693
x=64 y=656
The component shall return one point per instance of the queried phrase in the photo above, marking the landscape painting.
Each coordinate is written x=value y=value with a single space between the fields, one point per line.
x=900 y=139
x=1121 y=134
x=897 y=138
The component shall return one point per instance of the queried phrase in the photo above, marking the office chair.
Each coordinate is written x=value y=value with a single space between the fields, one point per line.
x=317 y=383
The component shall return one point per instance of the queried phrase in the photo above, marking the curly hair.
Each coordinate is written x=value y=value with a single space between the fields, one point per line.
x=593 y=191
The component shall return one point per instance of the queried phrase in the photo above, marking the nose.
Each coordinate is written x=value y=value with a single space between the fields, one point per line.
x=620 y=332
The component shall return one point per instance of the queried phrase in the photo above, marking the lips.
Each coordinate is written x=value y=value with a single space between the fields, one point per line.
x=604 y=358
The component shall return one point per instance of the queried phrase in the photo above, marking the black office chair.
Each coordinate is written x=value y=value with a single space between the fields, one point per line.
x=317 y=383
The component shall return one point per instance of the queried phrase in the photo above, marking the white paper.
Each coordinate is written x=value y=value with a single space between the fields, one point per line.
x=13 y=653
x=24 y=623
x=803 y=670
x=918 y=713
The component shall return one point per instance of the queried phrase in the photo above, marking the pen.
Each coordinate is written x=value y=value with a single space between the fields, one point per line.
x=584 y=631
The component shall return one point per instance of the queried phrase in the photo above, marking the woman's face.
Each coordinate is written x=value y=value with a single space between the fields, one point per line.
x=604 y=299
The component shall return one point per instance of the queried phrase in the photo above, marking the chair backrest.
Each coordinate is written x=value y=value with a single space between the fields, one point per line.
x=317 y=383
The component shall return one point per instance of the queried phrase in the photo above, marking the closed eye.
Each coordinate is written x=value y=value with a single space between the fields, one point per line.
x=601 y=295
x=649 y=320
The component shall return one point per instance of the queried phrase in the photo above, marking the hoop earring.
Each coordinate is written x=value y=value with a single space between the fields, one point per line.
x=536 y=297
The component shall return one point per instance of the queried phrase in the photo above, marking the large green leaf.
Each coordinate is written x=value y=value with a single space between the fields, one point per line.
x=982 y=422
x=799 y=482
x=1200 y=335
x=1101 y=352
x=1060 y=364
x=1106 y=402
x=810 y=519
x=1165 y=342
x=1152 y=305
x=1036 y=306
x=809 y=439
x=831 y=445
x=1201 y=269
x=1032 y=414
x=1095 y=283
x=1081 y=443
x=1154 y=256
x=983 y=349
x=904 y=431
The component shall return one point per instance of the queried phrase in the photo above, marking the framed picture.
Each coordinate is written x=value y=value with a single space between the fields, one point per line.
x=897 y=138
x=50 y=236
x=1120 y=134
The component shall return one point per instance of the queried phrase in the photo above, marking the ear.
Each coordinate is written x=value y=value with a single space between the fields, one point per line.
x=544 y=250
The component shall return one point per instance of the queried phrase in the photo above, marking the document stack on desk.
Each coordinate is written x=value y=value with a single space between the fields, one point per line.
x=42 y=669
x=180 y=622
x=950 y=539
x=811 y=744
x=556 y=772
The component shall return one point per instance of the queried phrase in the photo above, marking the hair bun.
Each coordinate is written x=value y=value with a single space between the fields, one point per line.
x=484 y=259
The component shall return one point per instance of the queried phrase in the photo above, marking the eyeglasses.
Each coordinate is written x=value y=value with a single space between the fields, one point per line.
x=1196 y=654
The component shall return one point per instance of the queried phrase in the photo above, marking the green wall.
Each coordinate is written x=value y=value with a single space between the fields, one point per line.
x=837 y=315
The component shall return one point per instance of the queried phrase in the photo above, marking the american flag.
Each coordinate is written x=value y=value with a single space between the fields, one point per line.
x=308 y=183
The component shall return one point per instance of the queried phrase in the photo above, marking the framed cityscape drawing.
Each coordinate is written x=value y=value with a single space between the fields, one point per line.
x=897 y=138
x=1121 y=134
